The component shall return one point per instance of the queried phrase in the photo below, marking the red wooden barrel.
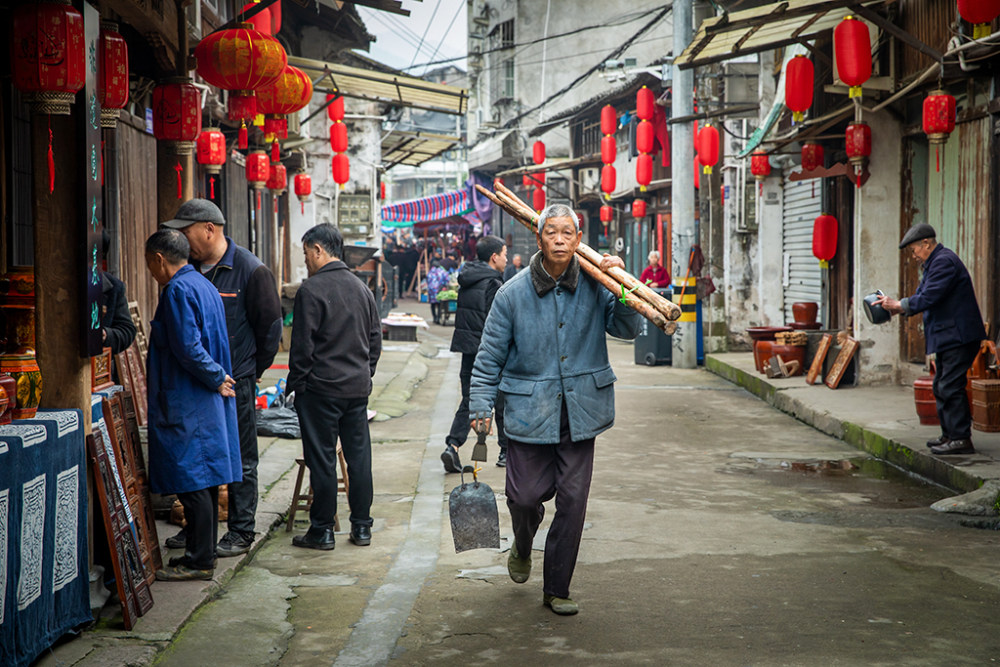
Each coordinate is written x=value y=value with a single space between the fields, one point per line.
x=923 y=395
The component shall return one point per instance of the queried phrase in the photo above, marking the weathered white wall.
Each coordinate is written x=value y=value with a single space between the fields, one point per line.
x=876 y=254
x=738 y=283
x=770 y=268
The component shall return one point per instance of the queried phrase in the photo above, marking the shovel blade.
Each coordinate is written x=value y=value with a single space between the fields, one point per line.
x=475 y=523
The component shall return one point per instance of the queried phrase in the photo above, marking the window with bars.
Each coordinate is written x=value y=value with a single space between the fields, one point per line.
x=501 y=59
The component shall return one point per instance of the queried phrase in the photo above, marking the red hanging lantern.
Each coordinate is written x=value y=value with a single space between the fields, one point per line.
x=760 y=165
x=538 y=178
x=211 y=150
x=609 y=120
x=644 y=137
x=812 y=156
x=607 y=214
x=608 y=179
x=644 y=103
x=48 y=54
x=261 y=21
x=538 y=199
x=275 y=149
x=177 y=114
x=538 y=152
x=341 y=169
x=799 y=83
x=980 y=13
x=939 y=121
x=644 y=170
x=708 y=147
x=275 y=17
x=381 y=190
x=112 y=73
x=338 y=137
x=277 y=179
x=609 y=149
x=527 y=181
x=240 y=60
x=335 y=108
x=291 y=91
x=853 y=48
x=303 y=188
x=859 y=142
x=258 y=169
x=824 y=240
x=639 y=208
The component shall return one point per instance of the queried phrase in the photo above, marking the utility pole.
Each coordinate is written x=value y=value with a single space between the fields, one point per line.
x=685 y=340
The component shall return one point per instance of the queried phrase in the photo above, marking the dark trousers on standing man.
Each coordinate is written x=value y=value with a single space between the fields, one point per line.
x=243 y=495
x=949 y=390
x=460 y=424
x=536 y=473
x=322 y=420
x=201 y=512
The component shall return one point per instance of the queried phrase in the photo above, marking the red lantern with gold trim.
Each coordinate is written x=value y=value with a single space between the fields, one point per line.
x=277 y=179
x=240 y=60
x=708 y=147
x=853 y=48
x=760 y=165
x=824 y=240
x=538 y=152
x=538 y=199
x=177 y=114
x=211 y=150
x=858 y=142
x=335 y=107
x=112 y=73
x=799 y=83
x=341 y=169
x=48 y=54
x=607 y=214
x=639 y=208
x=290 y=92
x=304 y=188
x=939 y=120
x=812 y=156
x=258 y=169
x=980 y=13
x=261 y=21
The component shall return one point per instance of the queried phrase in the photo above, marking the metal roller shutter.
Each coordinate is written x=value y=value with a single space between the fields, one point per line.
x=802 y=279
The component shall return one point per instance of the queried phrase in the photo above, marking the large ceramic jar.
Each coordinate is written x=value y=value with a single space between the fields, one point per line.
x=17 y=300
x=8 y=398
x=805 y=312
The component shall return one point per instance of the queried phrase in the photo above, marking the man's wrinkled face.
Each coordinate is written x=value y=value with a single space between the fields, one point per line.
x=313 y=254
x=559 y=239
x=921 y=249
x=157 y=268
x=200 y=236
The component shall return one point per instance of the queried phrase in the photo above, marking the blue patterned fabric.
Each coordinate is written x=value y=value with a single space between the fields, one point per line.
x=43 y=533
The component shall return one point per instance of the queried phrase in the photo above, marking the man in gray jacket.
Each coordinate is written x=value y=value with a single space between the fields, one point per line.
x=544 y=345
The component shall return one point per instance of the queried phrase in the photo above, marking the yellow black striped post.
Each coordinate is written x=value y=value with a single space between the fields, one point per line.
x=686 y=296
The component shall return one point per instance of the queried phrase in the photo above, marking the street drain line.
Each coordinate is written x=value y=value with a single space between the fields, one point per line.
x=374 y=637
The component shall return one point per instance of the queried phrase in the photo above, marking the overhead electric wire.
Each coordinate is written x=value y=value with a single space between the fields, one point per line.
x=445 y=35
x=404 y=34
x=437 y=6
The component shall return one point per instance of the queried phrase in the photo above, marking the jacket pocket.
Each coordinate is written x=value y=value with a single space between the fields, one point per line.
x=517 y=386
x=593 y=401
x=604 y=378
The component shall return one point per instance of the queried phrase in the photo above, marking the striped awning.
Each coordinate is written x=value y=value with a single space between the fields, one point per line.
x=428 y=209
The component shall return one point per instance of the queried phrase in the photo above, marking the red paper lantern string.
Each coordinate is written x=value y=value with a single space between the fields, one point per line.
x=52 y=162
x=211 y=187
x=244 y=143
x=180 y=183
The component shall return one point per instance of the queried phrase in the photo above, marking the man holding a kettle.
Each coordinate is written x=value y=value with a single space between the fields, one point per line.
x=953 y=327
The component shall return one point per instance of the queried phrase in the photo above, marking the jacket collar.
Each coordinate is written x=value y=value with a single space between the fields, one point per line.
x=331 y=266
x=544 y=283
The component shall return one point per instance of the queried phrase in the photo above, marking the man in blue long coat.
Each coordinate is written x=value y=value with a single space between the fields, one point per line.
x=953 y=327
x=193 y=440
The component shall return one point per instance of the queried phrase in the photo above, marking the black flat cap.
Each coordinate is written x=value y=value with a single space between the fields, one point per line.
x=200 y=210
x=919 y=231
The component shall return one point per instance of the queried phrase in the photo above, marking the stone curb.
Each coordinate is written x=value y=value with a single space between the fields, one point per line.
x=880 y=446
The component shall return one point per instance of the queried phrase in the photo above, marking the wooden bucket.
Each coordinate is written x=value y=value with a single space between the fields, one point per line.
x=986 y=405
x=923 y=396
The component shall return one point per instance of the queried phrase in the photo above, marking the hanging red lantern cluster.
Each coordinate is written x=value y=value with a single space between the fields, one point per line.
x=859 y=146
x=241 y=60
x=708 y=147
x=609 y=125
x=812 y=156
x=824 y=240
x=853 y=48
x=799 y=83
x=287 y=94
x=939 y=120
x=638 y=208
x=980 y=13
x=760 y=165
x=644 y=104
x=258 y=170
x=277 y=179
x=177 y=114
x=338 y=140
x=48 y=54
x=303 y=188
x=112 y=73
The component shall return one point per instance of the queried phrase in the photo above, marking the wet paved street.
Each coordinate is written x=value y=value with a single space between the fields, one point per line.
x=719 y=532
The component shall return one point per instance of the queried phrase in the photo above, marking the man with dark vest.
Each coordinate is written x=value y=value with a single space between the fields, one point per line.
x=953 y=327
x=253 y=320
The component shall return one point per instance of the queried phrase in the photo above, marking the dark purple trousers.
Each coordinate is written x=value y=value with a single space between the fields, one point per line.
x=536 y=474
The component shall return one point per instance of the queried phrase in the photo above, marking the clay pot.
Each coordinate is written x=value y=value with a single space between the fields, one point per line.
x=805 y=311
x=790 y=353
x=804 y=326
x=923 y=396
x=28 y=377
x=762 y=354
x=765 y=333
x=8 y=398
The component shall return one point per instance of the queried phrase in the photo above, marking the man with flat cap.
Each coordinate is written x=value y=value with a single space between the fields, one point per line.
x=953 y=327
x=253 y=320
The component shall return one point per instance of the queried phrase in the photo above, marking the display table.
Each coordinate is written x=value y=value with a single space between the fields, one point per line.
x=43 y=533
x=402 y=326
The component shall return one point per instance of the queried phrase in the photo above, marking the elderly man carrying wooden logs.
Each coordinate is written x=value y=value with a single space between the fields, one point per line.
x=544 y=345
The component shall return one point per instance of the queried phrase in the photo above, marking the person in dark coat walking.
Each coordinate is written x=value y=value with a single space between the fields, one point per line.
x=336 y=344
x=193 y=441
x=513 y=268
x=253 y=320
x=953 y=327
x=478 y=283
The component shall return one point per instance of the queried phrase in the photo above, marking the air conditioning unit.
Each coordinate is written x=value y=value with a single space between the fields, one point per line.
x=590 y=180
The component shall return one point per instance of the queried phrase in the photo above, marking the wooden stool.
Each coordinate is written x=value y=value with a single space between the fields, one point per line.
x=303 y=501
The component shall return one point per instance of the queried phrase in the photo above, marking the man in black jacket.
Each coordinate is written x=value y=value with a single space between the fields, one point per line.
x=336 y=344
x=117 y=329
x=253 y=320
x=478 y=283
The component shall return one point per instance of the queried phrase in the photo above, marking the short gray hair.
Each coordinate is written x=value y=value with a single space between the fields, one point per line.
x=170 y=243
x=653 y=254
x=556 y=211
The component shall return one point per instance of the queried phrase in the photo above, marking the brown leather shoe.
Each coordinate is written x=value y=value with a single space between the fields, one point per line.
x=183 y=573
x=938 y=441
x=951 y=447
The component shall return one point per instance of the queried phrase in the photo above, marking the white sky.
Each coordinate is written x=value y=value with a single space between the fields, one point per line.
x=438 y=27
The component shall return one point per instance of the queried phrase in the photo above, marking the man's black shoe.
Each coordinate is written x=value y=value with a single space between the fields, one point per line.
x=185 y=560
x=449 y=457
x=502 y=460
x=322 y=540
x=951 y=447
x=361 y=535
x=178 y=541
x=233 y=544
x=938 y=441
